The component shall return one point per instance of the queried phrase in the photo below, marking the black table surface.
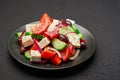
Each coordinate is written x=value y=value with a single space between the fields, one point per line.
x=100 y=17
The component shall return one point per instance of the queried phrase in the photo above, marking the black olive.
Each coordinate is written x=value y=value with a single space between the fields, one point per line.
x=63 y=38
x=83 y=45
x=22 y=49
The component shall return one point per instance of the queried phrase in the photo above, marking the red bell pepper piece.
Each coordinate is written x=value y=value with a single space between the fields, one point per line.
x=48 y=54
x=56 y=60
x=65 y=53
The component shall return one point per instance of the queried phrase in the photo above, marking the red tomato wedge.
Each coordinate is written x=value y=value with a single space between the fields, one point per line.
x=33 y=47
x=48 y=54
x=65 y=53
x=72 y=49
x=45 y=19
x=53 y=34
x=83 y=40
x=39 y=28
x=56 y=60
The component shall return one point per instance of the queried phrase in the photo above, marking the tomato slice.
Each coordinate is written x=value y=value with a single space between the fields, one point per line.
x=83 y=40
x=72 y=49
x=33 y=47
x=53 y=34
x=65 y=53
x=56 y=60
x=48 y=54
x=39 y=28
x=45 y=19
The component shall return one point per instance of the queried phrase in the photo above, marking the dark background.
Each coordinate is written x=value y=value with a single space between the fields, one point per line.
x=100 y=17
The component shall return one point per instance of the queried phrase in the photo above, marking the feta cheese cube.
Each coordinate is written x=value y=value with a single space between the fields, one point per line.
x=72 y=21
x=53 y=25
x=74 y=39
x=27 y=41
x=44 y=42
x=35 y=56
x=29 y=27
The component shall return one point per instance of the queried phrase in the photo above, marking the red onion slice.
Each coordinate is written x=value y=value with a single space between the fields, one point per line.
x=38 y=47
x=64 y=23
x=76 y=55
x=20 y=38
x=58 y=53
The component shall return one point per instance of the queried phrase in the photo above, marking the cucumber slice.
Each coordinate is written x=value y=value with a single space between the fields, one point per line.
x=37 y=36
x=80 y=35
x=18 y=34
x=75 y=29
x=70 y=29
x=27 y=55
x=58 y=44
x=27 y=33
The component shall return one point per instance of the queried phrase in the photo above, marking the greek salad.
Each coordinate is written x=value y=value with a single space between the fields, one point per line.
x=51 y=41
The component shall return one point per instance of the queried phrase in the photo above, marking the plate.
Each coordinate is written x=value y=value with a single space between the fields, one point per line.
x=13 y=48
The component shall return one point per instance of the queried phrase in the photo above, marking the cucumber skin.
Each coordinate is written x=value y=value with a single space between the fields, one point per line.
x=17 y=34
x=58 y=44
x=70 y=29
x=37 y=36
x=75 y=29
x=81 y=35
x=26 y=55
x=28 y=33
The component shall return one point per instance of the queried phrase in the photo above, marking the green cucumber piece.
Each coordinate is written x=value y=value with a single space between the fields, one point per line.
x=37 y=36
x=18 y=34
x=70 y=29
x=28 y=33
x=75 y=29
x=80 y=35
x=27 y=55
x=58 y=44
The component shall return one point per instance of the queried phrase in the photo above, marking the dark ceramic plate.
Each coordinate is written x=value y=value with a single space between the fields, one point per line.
x=13 y=47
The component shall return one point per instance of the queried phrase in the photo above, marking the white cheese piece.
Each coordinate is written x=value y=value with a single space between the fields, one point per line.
x=53 y=25
x=72 y=21
x=29 y=27
x=35 y=56
x=74 y=39
x=27 y=41
x=44 y=42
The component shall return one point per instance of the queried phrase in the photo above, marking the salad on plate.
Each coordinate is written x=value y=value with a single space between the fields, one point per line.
x=51 y=41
